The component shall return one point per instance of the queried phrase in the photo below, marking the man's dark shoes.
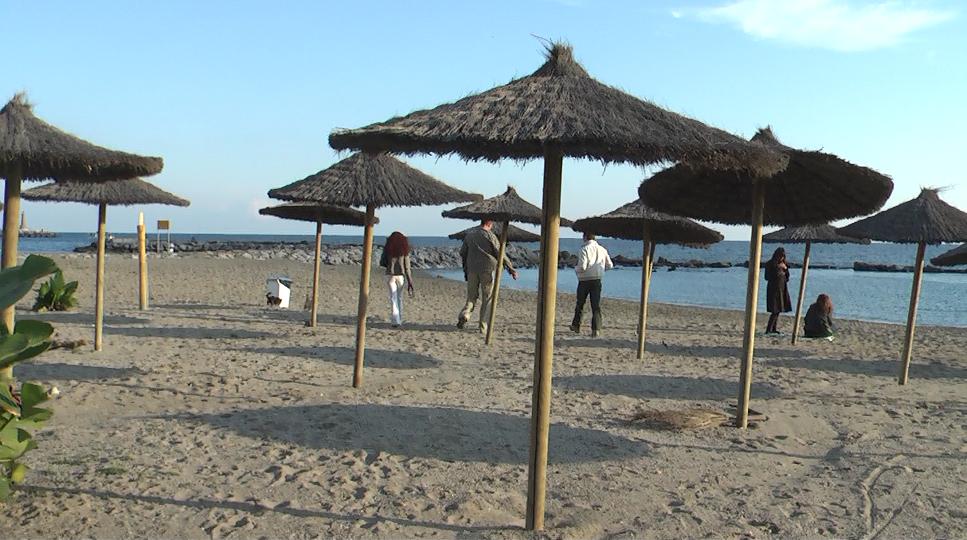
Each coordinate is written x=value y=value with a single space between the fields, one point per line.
x=576 y=329
x=461 y=323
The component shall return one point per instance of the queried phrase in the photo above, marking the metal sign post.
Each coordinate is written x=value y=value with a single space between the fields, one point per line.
x=163 y=225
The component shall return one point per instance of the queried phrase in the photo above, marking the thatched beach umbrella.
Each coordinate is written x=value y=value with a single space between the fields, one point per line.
x=924 y=220
x=370 y=179
x=514 y=234
x=557 y=111
x=815 y=188
x=103 y=194
x=955 y=256
x=636 y=221
x=808 y=234
x=504 y=208
x=31 y=149
x=318 y=214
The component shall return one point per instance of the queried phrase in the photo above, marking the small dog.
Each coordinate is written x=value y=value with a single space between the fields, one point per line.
x=272 y=300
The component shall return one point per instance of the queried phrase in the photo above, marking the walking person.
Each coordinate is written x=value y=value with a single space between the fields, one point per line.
x=593 y=262
x=479 y=253
x=777 y=291
x=818 y=322
x=396 y=260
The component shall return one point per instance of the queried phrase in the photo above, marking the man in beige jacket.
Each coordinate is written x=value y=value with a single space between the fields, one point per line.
x=479 y=252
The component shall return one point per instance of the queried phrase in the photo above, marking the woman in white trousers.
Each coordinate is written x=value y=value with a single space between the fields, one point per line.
x=396 y=260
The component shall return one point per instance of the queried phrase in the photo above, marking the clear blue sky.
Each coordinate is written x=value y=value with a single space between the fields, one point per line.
x=239 y=97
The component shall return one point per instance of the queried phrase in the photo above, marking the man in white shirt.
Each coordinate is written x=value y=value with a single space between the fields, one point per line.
x=593 y=262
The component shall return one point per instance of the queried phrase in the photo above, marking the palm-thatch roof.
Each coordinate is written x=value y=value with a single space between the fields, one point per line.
x=559 y=107
x=514 y=234
x=814 y=189
x=628 y=221
x=508 y=206
x=817 y=234
x=32 y=149
x=955 y=256
x=924 y=219
x=116 y=193
x=375 y=179
x=317 y=213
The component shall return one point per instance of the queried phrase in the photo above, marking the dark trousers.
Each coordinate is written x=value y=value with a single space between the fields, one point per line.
x=590 y=287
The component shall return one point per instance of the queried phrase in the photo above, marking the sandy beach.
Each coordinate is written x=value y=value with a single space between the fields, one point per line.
x=212 y=416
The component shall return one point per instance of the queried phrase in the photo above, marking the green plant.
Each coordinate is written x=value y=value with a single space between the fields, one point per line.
x=55 y=294
x=20 y=410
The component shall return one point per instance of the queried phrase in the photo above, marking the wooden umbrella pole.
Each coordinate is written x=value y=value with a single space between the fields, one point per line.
x=314 y=303
x=544 y=357
x=802 y=293
x=907 y=351
x=751 y=303
x=646 y=251
x=142 y=264
x=496 y=289
x=99 y=281
x=363 y=297
x=11 y=235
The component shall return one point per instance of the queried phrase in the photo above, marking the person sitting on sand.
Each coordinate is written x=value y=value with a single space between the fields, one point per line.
x=396 y=259
x=593 y=262
x=479 y=253
x=818 y=322
x=777 y=293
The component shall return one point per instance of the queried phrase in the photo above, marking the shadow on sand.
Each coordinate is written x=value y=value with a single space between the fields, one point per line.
x=79 y=317
x=873 y=368
x=442 y=433
x=188 y=333
x=346 y=356
x=655 y=386
x=57 y=371
x=663 y=348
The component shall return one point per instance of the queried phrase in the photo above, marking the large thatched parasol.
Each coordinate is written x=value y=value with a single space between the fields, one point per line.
x=557 y=111
x=808 y=234
x=635 y=221
x=514 y=233
x=31 y=149
x=504 y=208
x=815 y=188
x=955 y=256
x=371 y=180
x=318 y=214
x=103 y=194
x=924 y=220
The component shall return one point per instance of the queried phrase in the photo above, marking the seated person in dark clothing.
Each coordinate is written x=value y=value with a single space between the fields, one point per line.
x=819 y=318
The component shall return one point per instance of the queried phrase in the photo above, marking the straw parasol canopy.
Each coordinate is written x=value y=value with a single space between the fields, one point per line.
x=924 y=220
x=116 y=193
x=808 y=234
x=370 y=179
x=814 y=189
x=503 y=208
x=636 y=221
x=318 y=214
x=819 y=234
x=557 y=111
x=955 y=256
x=514 y=233
x=376 y=179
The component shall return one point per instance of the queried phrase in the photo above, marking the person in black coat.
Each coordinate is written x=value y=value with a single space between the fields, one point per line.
x=777 y=293
x=819 y=318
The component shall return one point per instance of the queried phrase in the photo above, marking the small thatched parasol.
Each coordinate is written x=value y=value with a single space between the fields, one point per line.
x=31 y=149
x=504 y=208
x=955 y=256
x=557 y=111
x=318 y=214
x=103 y=194
x=514 y=233
x=924 y=220
x=815 y=188
x=371 y=180
x=808 y=234
x=635 y=221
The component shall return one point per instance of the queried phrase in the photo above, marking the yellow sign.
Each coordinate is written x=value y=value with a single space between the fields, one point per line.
x=164 y=225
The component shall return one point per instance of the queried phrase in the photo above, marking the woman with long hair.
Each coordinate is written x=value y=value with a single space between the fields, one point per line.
x=777 y=293
x=396 y=260
x=818 y=322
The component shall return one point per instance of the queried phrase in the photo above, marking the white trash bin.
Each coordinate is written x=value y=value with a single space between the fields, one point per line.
x=277 y=291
